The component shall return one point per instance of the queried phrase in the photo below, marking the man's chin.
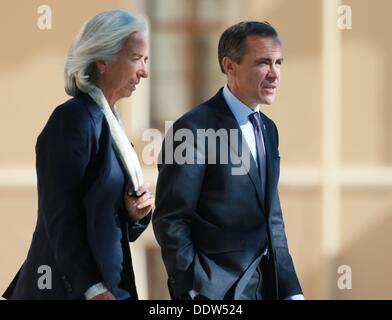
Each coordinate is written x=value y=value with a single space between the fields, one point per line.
x=268 y=100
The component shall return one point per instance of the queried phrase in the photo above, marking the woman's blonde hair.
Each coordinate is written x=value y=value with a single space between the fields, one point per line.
x=101 y=38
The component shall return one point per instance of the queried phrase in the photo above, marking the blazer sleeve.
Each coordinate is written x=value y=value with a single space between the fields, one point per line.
x=177 y=193
x=63 y=153
x=136 y=229
x=288 y=283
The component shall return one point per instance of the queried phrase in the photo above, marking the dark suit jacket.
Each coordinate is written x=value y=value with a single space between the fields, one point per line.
x=211 y=225
x=74 y=159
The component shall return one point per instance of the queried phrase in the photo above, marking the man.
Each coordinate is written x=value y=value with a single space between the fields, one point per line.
x=222 y=233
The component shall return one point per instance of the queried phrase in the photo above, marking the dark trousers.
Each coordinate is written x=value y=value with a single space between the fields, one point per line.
x=254 y=290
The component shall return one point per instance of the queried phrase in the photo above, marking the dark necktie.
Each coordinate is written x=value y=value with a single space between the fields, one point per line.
x=261 y=159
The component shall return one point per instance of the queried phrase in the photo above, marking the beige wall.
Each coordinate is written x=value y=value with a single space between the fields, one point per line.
x=31 y=82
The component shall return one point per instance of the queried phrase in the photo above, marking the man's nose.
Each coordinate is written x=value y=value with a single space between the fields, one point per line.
x=273 y=73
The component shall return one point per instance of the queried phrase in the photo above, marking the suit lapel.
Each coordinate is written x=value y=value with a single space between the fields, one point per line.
x=227 y=121
x=271 y=158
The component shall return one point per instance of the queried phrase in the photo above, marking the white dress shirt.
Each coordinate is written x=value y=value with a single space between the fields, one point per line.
x=241 y=113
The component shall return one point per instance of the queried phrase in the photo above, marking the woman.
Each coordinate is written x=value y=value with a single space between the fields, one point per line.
x=91 y=198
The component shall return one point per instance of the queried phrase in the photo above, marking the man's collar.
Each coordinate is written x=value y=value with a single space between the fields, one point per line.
x=240 y=110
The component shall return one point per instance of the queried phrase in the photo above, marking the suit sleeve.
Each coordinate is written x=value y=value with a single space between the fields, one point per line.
x=63 y=153
x=177 y=193
x=287 y=278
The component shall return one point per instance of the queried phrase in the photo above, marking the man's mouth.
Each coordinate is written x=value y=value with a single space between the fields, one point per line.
x=269 y=88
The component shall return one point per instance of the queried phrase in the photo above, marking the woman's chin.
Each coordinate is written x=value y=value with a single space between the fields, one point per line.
x=126 y=93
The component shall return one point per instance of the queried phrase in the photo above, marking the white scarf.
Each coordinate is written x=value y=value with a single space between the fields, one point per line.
x=122 y=146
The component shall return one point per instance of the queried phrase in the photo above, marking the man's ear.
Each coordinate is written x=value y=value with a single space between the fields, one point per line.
x=228 y=65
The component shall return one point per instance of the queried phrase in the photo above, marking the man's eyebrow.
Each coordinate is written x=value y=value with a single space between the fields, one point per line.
x=263 y=59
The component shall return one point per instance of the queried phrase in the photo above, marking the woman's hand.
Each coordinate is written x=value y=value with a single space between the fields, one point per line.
x=140 y=205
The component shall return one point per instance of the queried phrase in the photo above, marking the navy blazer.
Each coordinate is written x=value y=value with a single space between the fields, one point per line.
x=74 y=162
x=212 y=226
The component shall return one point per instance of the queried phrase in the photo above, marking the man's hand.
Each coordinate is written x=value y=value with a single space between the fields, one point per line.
x=104 y=296
x=140 y=205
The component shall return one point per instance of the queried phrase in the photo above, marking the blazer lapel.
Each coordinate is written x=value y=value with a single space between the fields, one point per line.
x=93 y=109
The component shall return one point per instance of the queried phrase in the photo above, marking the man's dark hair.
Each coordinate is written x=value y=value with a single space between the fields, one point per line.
x=232 y=42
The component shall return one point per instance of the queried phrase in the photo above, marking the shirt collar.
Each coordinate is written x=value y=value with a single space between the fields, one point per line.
x=240 y=110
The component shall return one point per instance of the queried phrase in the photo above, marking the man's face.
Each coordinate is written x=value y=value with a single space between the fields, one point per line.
x=255 y=79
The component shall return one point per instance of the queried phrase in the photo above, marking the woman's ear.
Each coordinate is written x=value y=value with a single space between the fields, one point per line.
x=101 y=66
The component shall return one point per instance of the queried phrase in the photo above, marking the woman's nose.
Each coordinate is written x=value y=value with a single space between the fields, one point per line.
x=143 y=72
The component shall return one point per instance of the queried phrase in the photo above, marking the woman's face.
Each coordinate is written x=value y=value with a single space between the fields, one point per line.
x=121 y=76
